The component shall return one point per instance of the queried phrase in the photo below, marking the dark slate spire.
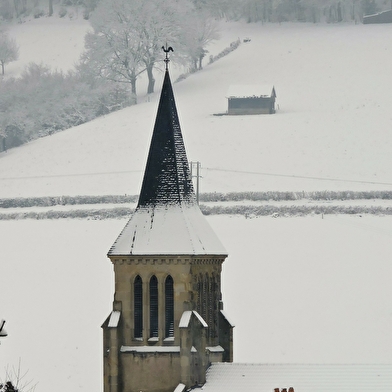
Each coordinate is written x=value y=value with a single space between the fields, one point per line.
x=167 y=179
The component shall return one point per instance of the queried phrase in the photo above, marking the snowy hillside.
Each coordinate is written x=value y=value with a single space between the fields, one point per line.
x=334 y=122
x=320 y=285
x=56 y=42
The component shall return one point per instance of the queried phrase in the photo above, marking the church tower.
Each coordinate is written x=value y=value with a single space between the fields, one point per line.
x=167 y=323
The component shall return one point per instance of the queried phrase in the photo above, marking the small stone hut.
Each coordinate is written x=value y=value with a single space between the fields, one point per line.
x=251 y=99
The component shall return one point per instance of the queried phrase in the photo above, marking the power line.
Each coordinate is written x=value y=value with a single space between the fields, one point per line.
x=205 y=168
x=296 y=176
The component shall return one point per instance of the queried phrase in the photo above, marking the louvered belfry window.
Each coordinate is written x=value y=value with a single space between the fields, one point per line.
x=169 y=307
x=153 y=307
x=138 y=307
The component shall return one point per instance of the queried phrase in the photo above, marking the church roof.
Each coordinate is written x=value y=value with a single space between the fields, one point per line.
x=167 y=219
x=224 y=377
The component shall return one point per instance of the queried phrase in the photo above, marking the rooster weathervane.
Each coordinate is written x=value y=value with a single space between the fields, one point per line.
x=167 y=50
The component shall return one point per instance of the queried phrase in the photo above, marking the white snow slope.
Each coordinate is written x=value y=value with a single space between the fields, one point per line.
x=320 y=288
x=335 y=121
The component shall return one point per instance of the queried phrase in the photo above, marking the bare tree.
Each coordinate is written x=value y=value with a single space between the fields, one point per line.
x=15 y=381
x=9 y=51
x=199 y=29
x=128 y=36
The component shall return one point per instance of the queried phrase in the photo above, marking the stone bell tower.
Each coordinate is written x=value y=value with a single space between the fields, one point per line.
x=167 y=323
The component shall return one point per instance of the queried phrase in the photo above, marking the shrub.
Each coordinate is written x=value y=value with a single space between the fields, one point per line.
x=42 y=102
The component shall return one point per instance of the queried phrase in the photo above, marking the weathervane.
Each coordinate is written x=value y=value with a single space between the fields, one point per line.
x=167 y=50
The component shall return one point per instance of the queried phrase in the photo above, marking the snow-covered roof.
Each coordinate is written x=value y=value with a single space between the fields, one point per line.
x=215 y=349
x=180 y=388
x=114 y=319
x=186 y=318
x=250 y=91
x=168 y=230
x=167 y=220
x=226 y=318
x=153 y=349
x=224 y=377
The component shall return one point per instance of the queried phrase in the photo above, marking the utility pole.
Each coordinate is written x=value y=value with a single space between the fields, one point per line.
x=197 y=175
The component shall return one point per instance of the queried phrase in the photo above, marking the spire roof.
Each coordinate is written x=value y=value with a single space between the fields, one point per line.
x=167 y=219
x=167 y=179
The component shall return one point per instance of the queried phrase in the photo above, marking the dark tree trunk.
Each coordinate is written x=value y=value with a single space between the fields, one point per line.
x=151 y=80
x=133 y=85
x=133 y=90
x=2 y=68
x=50 y=7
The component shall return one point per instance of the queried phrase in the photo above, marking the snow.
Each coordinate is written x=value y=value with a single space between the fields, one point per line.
x=216 y=349
x=185 y=319
x=201 y=320
x=224 y=377
x=299 y=290
x=249 y=90
x=114 y=319
x=332 y=129
x=56 y=42
x=180 y=388
x=168 y=230
x=318 y=291
x=150 y=349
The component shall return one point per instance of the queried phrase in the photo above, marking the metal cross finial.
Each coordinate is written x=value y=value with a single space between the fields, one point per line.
x=167 y=50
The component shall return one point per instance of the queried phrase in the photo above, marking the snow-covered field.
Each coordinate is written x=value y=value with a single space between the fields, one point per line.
x=320 y=287
x=333 y=129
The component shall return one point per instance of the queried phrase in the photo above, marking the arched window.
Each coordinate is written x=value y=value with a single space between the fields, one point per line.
x=153 y=307
x=138 y=307
x=169 y=307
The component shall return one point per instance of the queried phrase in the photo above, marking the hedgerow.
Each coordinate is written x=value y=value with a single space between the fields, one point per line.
x=246 y=211
x=49 y=201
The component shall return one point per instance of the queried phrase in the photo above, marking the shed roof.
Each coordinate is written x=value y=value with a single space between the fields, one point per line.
x=167 y=219
x=251 y=91
x=233 y=377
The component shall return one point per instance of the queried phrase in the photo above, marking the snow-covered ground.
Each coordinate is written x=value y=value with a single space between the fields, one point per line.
x=320 y=287
x=56 y=42
x=333 y=129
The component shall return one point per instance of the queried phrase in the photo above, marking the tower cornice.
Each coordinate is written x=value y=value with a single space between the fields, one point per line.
x=168 y=260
